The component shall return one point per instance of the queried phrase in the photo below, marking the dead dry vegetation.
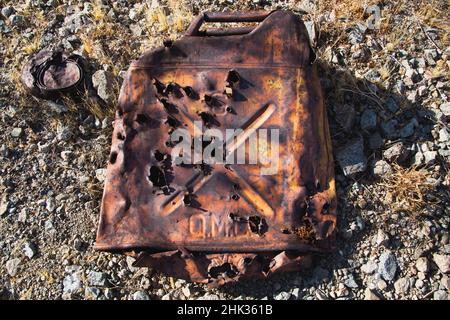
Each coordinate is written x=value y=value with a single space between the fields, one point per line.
x=409 y=189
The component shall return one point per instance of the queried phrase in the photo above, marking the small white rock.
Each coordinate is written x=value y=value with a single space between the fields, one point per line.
x=382 y=237
x=100 y=174
x=12 y=266
x=29 y=250
x=442 y=261
x=422 y=264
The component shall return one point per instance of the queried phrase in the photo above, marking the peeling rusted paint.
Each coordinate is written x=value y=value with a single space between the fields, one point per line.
x=221 y=223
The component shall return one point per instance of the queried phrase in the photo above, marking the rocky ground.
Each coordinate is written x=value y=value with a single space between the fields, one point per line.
x=386 y=87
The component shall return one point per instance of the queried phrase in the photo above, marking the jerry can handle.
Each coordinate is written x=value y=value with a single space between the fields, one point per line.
x=240 y=16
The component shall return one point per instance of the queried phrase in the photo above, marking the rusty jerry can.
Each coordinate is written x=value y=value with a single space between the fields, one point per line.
x=218 y=222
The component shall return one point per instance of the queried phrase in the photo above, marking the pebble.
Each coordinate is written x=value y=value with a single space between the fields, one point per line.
x=296 y=293
x=440 y=295
x=320 y=274
x=360 y=223
x=4 y=205
x=43 y=147
x=109 y=293
x=350 y=282
x=389 y=129
x=412 y=96
x=66 y=155
x=445 y=108
x=396 y=153
x=391 y=105
x=422 y=264
x=310 y=27
x=444 y=135
x=283 y=295
x=408 y=129
x=445 y=282
x=72 y=283
x=419 y=284
x=12 y=266
x=369 y=267
x=442 y=261
x=375 y=141
x=50 y=204
x=100 y=174
x=99 y=279
x=7 y=11
x=387 y=266
x=345 y=115
x=48 y=226
x=412 y=76
x=381 y=284
x=351 y=157
x=429 y=157
x=29 y=250
x=16 y=132
x=422 y=91
x=186 y=292
x=91 y=293
x=22 y=216
x=130 y=260
x=16 y=20
x=210 y=296
x=63 y=133
x=106 y=122
x=401 y=286
x=140 y=295
x=355 y=36
x=66 y=159
x=382 y=238
x=78 y=244
x=320 y=295
x=370 y=295
x=133 y=14
x=381 y=168
x=166 y=296
x=103 y=82
x=368 y=119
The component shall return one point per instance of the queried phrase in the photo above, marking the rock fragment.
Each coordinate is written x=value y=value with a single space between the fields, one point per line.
x=103 y=82
x=351 y=157
x=387 y=266
x=12 y=266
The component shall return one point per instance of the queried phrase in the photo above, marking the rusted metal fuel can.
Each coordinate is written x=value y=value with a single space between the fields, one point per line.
x=264 y=200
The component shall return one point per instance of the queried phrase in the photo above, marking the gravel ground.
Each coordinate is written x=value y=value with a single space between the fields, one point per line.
x=386 y=91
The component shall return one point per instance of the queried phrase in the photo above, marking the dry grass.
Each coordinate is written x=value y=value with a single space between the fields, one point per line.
x=435 y=14
x=157 y=19
x=408 y=189
x=96 y=38
x=109 y=43
x=92 y=104
x=16 y=45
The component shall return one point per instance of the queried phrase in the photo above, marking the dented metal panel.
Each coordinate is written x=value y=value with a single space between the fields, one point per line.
x=216 y=223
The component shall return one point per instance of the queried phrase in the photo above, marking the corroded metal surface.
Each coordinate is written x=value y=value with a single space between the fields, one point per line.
x=51 y=74
x=220 y=223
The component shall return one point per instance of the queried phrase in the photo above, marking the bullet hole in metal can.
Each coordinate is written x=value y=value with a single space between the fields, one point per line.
x=113 y=157
x=225 y=270
x=157 y=177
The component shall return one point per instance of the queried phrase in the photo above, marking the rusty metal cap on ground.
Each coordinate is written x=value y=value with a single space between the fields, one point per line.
x=50 y=74
x=222 y=222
